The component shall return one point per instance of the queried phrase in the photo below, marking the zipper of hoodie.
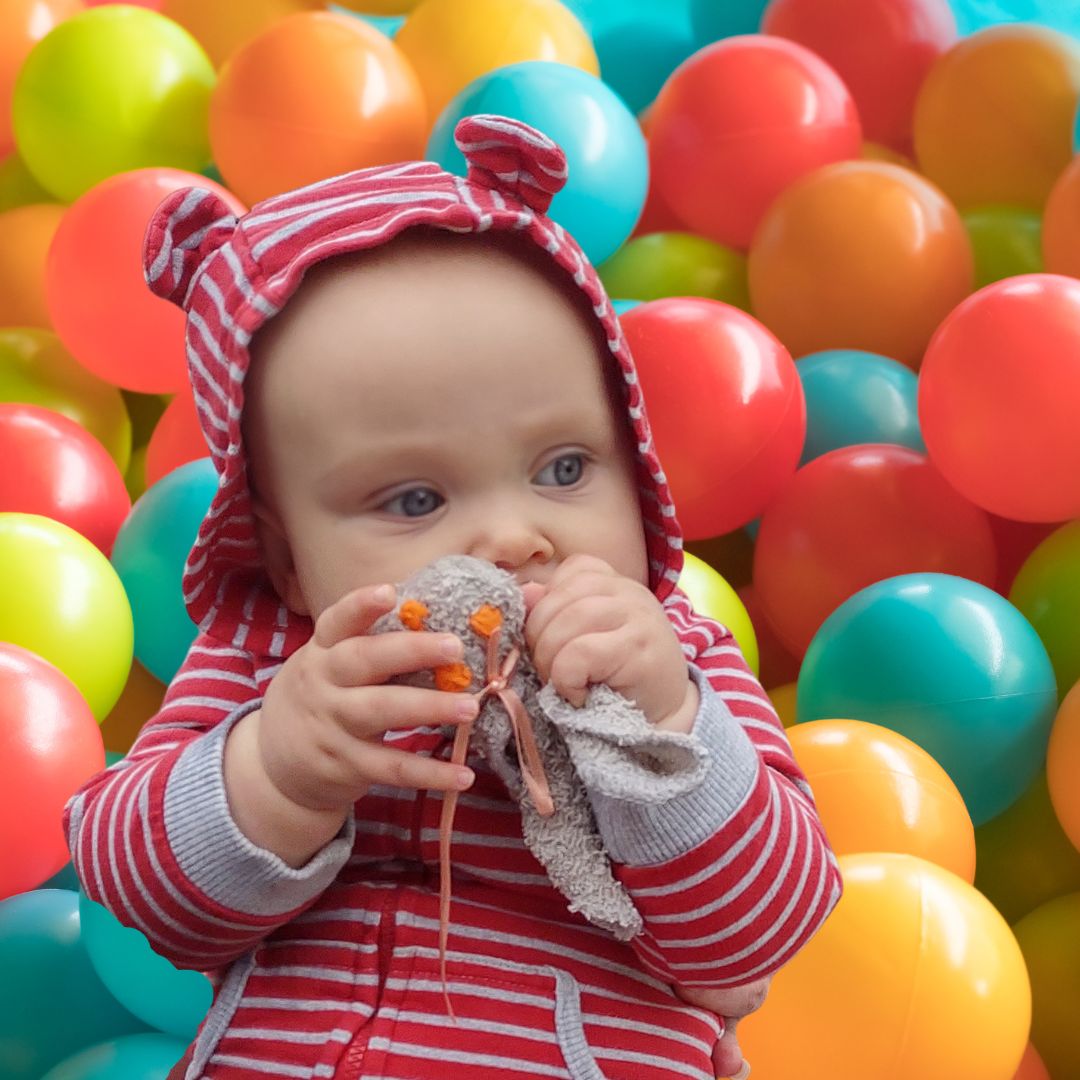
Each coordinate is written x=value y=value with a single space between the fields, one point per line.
x=353 y=1062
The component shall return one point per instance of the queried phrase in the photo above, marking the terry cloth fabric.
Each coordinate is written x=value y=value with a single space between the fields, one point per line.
x=332 y=969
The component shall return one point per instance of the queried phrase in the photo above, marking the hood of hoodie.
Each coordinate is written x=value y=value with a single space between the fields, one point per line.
x=230 y=275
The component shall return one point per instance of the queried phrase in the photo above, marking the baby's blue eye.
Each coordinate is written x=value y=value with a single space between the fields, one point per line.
x=416 y=502
x=563 y=471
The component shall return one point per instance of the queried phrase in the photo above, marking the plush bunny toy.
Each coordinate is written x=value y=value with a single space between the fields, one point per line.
x=545 y=750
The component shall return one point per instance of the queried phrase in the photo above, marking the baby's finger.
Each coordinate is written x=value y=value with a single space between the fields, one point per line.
x=371 y=660
x=560 y=596
x=378 y=764
x=583 y=615
x=369 y=712
x=592 y=658
x=728 y=1060
x=354 y=614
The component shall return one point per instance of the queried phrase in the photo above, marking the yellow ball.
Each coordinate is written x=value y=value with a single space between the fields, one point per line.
x=61 y=598
x=452 y=42
x=712 y=596
x=913 y=975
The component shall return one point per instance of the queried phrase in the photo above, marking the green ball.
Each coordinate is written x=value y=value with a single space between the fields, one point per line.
x=112 y=89
x=1005 y=240
x=1023 y=857
x=1050 y=940
x=1047 y=591
x=676 y=264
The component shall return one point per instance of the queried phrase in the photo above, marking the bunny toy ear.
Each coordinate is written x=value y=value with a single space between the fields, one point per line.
x=188 y=227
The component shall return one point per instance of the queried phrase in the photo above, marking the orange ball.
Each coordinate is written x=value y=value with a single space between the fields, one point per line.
x=1063 y=765
x=452 y=42
x=994 y=118
x=878 y=791
x=25 y=235
x=141 y=698
x=312 y=96
x=177 y=439
x=913 y=975
x=23 y=23
x=222 y=28
x=1061 y=224
x=97 y=296
x=859 y=255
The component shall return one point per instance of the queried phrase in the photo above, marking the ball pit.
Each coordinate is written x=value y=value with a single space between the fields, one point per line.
x=1008 y=359
x=452 y=42
x=312 y=96
x=942 y=994
x=857 y=397
x=23 y=23
x=98 y=300
x=35 y=368
x=111 y=89
x=25 y=235
x=740 y=121
x=854 y=517
x=882 y=49
x=149 y=557
x=993 y=120
x=864 y=254
x=60 y=598
x=921 y=654
x=715 y=598
x=52 y=745
x=661 y=264
x=933 y=170
x=57 y=469
x=877 y=791
x=605 y=150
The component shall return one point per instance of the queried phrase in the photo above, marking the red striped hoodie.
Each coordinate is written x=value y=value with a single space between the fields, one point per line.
x=332 y=969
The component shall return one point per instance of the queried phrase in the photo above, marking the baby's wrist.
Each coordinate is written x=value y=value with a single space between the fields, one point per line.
x=682 y=719
x=265 y=814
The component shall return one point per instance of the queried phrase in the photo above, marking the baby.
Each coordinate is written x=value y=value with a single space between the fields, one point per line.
x=392 y=366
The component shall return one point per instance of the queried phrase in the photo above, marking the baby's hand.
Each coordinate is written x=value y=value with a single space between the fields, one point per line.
x=322 y=722
x=592 y=625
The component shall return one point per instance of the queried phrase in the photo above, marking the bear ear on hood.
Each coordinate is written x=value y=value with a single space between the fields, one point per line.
x=186 y=229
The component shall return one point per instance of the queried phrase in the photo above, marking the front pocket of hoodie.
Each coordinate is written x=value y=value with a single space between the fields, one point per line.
x=512 y=1019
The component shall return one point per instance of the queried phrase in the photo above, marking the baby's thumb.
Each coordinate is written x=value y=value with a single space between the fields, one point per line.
x=728 y=1062
x=532 y=591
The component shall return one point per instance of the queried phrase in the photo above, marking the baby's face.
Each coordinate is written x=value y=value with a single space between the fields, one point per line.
x=436 y=396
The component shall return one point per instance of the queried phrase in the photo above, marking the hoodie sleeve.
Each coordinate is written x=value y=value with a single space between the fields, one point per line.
x=153 y=840
x=733 y=878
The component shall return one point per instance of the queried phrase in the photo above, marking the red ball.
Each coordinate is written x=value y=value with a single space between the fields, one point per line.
x=739 y=122
x=726 y=407
x=51 y=746
x=177 y=439
x=95 y=290
x=882 y=49
x=856 y=516
x=56 y=468
x=998 y=398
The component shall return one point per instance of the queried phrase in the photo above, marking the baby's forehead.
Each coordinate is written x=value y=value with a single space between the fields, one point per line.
x=426 y=307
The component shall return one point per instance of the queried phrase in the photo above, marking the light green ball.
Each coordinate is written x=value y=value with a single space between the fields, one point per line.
x=112 y=89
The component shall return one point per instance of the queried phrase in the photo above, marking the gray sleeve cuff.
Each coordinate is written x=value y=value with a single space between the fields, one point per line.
x=644 y=834
x=217 y=857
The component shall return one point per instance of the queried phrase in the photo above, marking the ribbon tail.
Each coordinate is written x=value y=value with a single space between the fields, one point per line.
x=532 y=768
x=446 y=829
